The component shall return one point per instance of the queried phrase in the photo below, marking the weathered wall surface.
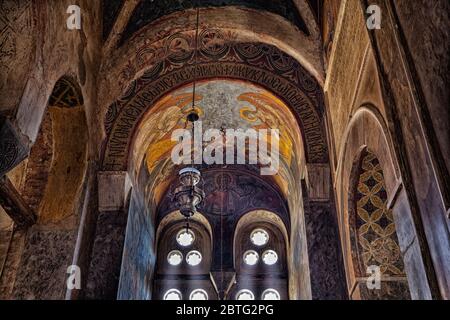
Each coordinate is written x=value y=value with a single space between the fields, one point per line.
x=428 y=39
x=17 y=51
x=106 y=257
x=372 y=105
x=344 y=70
x=53 y=182
x=424 y=179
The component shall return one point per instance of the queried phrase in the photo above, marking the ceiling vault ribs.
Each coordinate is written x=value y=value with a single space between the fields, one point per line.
x=135 y=14
x=118 y=25
x=306 y=9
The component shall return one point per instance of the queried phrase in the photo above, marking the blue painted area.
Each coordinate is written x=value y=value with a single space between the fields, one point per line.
x=139 y=256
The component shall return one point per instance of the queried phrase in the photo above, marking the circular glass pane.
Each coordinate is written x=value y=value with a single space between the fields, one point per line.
x=259 y=237
x=174 y=257
x=185 y=237
x=245 y=295
x=198 y=294
x=172 y=294
x=271 y=294
x=251 y=257
x=270 y=257
x=193 y=258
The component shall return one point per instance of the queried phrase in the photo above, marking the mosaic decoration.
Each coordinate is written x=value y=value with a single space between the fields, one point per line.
x=377 y=237
x=219 y=57
x=148 y=11
x=66 y=94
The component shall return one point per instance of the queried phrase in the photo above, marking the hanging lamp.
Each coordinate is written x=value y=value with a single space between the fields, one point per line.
x=188 y=195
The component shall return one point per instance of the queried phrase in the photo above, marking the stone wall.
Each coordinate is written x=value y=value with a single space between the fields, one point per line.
x=106 y=257
x=373 y=101
x=428 y=43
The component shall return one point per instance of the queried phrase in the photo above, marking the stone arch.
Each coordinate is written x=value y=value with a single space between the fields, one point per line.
x=367 y=130
x=183 y=274
x=261 y=64
x=259 y=276
x=55 y=173
x=176 y=217
x=57 y=159
x=128 y=62
x=156 y=75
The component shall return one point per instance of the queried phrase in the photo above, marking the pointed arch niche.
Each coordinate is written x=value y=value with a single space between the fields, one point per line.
x=374 y=242
x=374 y=214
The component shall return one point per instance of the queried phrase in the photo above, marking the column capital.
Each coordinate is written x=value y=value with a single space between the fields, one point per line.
x=113 y=188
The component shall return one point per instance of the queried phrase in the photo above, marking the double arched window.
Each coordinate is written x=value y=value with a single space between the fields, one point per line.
x=185 y=257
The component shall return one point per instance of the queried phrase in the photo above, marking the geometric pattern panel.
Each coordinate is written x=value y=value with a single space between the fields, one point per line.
x=377 y=237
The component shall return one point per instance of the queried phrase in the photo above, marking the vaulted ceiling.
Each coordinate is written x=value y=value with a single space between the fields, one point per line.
x=148 y=11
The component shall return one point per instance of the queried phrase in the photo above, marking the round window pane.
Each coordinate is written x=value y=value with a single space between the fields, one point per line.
x=193 y=258
x=271 y=294
x=198 y=294
x=270 y=257
x=259 y=237
x=172 y=294
x=185 y=238
x=175 y=257
x=251 y=257
x=245 y=295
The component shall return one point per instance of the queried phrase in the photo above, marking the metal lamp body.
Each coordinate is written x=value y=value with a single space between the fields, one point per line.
x=188 y=196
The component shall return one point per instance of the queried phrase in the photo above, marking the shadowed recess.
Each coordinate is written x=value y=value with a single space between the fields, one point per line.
x=66 y=94
x=149 y=10
x=111 y=10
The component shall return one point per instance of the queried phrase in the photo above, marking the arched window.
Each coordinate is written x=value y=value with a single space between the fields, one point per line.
x=183 y=263
x=375 y=248
x=260 y=262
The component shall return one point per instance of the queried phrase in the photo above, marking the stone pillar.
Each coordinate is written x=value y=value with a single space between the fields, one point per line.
x=106 y=256
x=324 y=250
x=424 y=179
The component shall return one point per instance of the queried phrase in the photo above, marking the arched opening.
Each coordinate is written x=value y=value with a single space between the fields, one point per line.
x=52 y=185
x=260 y=258
x=231 y=190
x=57 y=163
x=183 y=262
x=377 y=257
